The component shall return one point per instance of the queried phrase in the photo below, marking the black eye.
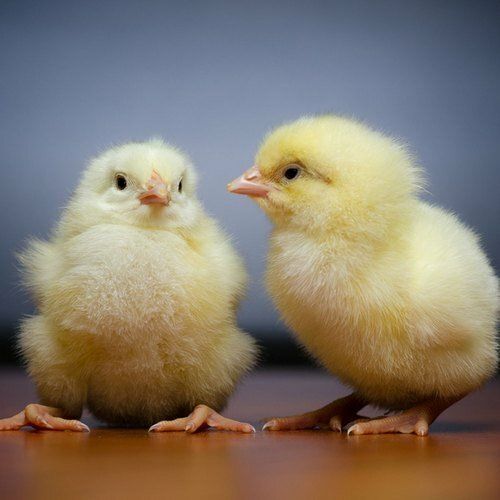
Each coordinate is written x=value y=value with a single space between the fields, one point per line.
x=291 y=173
x=121 y=182
x=180 y=186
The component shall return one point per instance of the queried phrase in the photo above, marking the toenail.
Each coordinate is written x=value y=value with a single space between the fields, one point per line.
x=352 y=430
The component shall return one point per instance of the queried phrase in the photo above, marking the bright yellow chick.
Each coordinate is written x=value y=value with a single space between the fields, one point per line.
x=137 y=293
x=392 y=295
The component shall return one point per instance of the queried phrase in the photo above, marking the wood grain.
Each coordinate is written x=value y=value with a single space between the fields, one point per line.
x=460 y=458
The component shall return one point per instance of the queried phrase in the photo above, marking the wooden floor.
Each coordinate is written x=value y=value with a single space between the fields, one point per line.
x=459 y=459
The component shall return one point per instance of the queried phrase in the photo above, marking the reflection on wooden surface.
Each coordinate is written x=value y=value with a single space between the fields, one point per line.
x=460 y=458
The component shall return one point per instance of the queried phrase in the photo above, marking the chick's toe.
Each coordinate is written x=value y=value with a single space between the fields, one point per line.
x=333 y=416
x=202 y=417
x=415 y=420
x=42 y=417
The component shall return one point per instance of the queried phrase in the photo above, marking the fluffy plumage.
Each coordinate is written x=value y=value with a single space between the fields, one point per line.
x=136 y=301
x=392 y=295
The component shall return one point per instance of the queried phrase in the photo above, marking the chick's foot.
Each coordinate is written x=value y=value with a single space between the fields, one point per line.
x=202 y=417
x=41 y=417
x=415 y=420
x=333 y=416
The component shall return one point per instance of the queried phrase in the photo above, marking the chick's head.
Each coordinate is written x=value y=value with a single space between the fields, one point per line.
x=147 y=184
x=329 y=172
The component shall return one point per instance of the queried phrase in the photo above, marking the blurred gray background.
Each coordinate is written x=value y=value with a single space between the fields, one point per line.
x=213 y=77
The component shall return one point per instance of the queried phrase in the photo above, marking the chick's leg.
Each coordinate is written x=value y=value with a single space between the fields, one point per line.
x=333 y=416
x=61 y=393
x=415 y=420
x=42 y=417
x=201 y=417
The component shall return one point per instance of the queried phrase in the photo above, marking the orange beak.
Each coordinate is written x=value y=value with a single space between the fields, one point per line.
x=250 y=183
x=155 y=191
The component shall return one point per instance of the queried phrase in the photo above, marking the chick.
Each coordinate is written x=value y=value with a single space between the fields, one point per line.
x=392 y=295
x=137 y=293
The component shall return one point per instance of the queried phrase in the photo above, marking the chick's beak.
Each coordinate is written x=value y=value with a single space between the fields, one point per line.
x=250 y=183
x=155 y=191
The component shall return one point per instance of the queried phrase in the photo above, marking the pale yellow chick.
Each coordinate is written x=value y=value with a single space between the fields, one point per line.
x=392 y=295
x=137 y=293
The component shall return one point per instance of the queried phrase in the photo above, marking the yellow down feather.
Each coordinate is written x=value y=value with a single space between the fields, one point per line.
x=136 y=304
x=391 y=294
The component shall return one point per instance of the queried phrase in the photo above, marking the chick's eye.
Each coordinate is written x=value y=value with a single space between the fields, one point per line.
x=121 y=182
x=180 y=186
x=291 y=172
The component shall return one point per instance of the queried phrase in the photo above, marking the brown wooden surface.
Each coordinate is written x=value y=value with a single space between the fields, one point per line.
x=460 y=459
